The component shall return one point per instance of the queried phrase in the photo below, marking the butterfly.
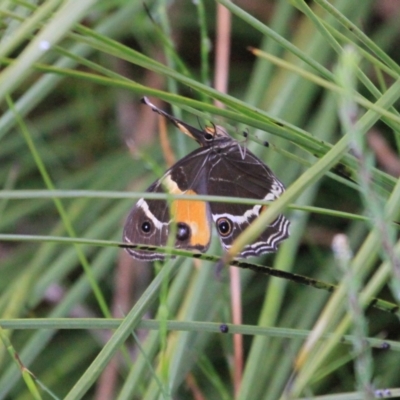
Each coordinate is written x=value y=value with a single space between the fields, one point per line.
x=220 y=167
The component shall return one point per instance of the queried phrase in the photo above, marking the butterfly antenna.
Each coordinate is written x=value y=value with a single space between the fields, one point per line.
x=242 y=150
x=215 y=129
x=246 y=142
x=214 y=126
x=199 y=122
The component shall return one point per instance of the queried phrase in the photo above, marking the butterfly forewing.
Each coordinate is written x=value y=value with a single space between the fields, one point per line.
x=150 y=221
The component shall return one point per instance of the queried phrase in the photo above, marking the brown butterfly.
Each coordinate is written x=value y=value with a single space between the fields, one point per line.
x=220 y=167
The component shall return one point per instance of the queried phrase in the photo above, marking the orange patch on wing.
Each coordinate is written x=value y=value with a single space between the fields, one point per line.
x=194 y=214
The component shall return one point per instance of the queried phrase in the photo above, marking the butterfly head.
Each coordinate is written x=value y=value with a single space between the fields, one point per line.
x=209 y=136
x=213 y=133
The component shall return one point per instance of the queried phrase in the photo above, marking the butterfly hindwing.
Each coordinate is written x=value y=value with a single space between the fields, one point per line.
x=240 y=173
x=147 y=224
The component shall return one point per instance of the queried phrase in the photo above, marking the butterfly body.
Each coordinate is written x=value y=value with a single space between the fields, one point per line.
x=220 y=167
